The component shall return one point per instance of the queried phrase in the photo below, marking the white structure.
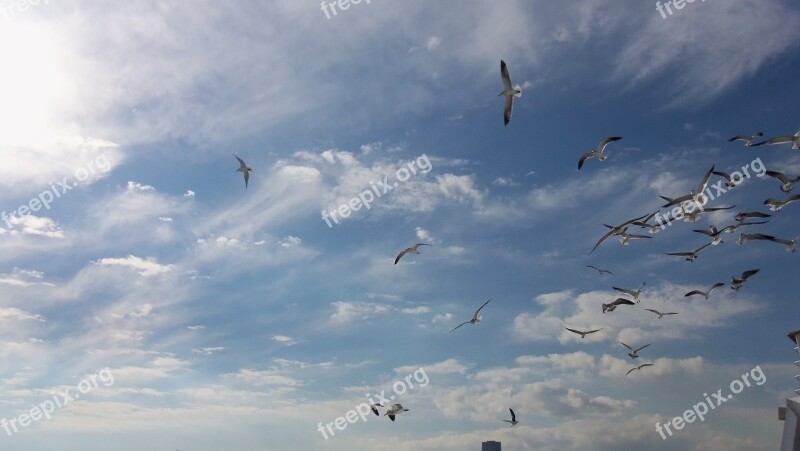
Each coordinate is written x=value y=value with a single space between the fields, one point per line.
x=790 y=415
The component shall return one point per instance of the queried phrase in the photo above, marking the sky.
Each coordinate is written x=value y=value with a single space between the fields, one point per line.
x=150 y=300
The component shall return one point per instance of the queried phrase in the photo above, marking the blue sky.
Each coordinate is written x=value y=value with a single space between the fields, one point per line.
x=235 y=318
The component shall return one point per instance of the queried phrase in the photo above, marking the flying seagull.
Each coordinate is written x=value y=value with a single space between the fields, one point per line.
x=476 y=318
x=790 y=244
x=508 y=91
x=694 y=216
x=619 y=301
x=582 y=333
x=633 y=293
x=645 y=224
x=692 y=194
x=733 y=227
x=661 y=315
x=705 y=294
x=245 y=169
x=777 y=205
x=394 y=410
x=625 y=238
x=634 y=354
x=374 y=408
x=513 y=419
x=616 y=230
x=598 y=152
x=794 y=139
x=729 y=182
x=600 y=270
x=714 y=233
x=737 y=283
x=413 y=249
x=787 y=184
x=638 y=368
x=753 y=214
x=691 y=255
x=748 y=139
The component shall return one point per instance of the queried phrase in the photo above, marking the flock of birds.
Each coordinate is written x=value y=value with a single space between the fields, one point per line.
x=643 y=223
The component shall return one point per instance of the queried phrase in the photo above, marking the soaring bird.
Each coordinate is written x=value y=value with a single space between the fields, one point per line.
x=777 y=205
x=714 y=233
x=613 y=305
x=508 y=91
x=243 y=168
x=661 y=315
x=737 y=283
x=476 y=318
x=787 y=184
x=513 y=419
x=690 y=255
x=616 y=230
x=790 y=244
x=752 y=214
x=634 y=354
x=625 y=238
x=413 y=249
x=730 y=183
x=705 y=294
x=635 y=294
x=600 y=270
x=748 y=139
x=693 y=194
x=598 y=152
x=794 y=139
x=582 y=333
x=638 y=368
x=395 y=409
x=734 y=227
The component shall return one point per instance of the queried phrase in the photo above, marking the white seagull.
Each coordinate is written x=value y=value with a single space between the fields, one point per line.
x=752 y=214
x=583 y=334
x=787 y=184
x=598 y=152
x=748 y=139
x=600 y=270
x=690 y=255
x=634 y=354
x=705 y=294
x=476 y=318
x=617 y=302
x=638 y=368
x=633 y=293
x=625 y=238
x=243 y=168
x=395 y=409
x=616 y=230
x=777 y=205
x=508 y=91
x=794 y=139
x=661 y=315
x=737 y=283
x=513 y=419
x=413 y=249
x=790 y=244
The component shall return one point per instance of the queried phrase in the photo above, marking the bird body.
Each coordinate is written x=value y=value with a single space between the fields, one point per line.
x=244 y=169
x=395 y=410
x=509 y=92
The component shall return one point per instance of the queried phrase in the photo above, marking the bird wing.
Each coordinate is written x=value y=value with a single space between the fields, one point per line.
x=593 y=331
x=631 y=370
x=715 y=286
x=241 y=162
x=246 y=178
x=475 y=316
x=513 y=416
x=648 y=344
x=391 y=417
x=780 y=176
x=778 y=140
x=724 y=175
x=465 y=322
x=623 y=344
x=747 y=274
x=654 y=311
x=400 y=255
x=679 y=254
x=625 y=290
x=694 y=292
x=584 y=157
x=704 y=183
x=600 y=241
x=621 y=301
x=701 y=248
x=573 y=330
x=739 y=138
x=644 y=365
x=607 y=141
x=508 y=108
x=506 y=76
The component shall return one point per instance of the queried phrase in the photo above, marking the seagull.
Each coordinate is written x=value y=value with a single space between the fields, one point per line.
x=244 y=169
x=374 y=408
x=616 y=230
x=691 y=255
x=794 y=139
x=619 y=301
x=645 y=224
x=413 y=249
x=713 y=232
x=508 y=91
x=753 y=214
x=598 y=153
x=638 y=368
x=582 y=333
x=733 y=227
x=661 y=315
x=729 y=183
x=692 y=194
x=513 y=419
x=394 y=410
x=634 y=352
x=694 y=216
x=737 y=283
x=787 y=184
x=600 y=270
x=476 y=318
x=705 y=294
x=748 y=139
x=635 y=294
x=625 y=238
x=776 y=205
x=790 y=244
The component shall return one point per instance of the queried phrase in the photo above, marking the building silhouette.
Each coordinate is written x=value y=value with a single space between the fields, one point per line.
x=790 y=415
x=490 y=446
